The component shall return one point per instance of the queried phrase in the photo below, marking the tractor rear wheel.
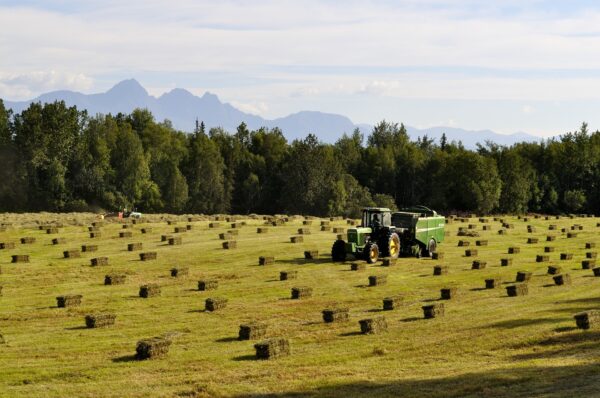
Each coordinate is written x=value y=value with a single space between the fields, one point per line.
x=371 y=252
x=338 y=251
x=389 y=245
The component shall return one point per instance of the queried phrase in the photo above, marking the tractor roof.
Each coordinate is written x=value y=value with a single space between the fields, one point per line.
x=377 y=209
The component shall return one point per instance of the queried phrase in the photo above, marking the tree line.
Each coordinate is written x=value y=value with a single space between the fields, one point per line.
x=58 y=158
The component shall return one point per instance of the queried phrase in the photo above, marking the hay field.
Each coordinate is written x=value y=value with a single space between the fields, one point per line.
x=486 y=344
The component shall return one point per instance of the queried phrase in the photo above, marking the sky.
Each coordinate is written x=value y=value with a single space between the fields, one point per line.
x=508 y=66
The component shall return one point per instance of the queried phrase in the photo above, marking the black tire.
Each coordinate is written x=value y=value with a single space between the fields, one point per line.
x=338 y=251
x=390 y=245
x=371 y=252
x=431 y=247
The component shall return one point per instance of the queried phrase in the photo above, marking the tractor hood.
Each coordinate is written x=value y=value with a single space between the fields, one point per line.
x=358 y=235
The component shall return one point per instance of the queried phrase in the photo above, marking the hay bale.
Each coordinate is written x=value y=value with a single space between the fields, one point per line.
x=550 y=238
x=252 y=331
x=523 y=276
x=99 y=320
x=388 y=262
x=326 y=228
x=146 y=230
x=463 y=243
x=514 y=250
x=52 y=230
x=304 y=231
x=478 y=264
x=471 y=252
x=592 y=255
x=272 y=348
x=72 y=254
x=225 y=236
x=147 y=256
x=180 y=230
x=531 y=229
x=571 y=235
x=71 y=300
x=552 y=227
x=126 y=226
x=590 y=245
x=433 y=310
x=532 y=240
x=296 y=239
x=301 y=292
x=95 y=235
x=471 y=234
x=59 y=241
x=262 y=230
x=324 y=223
x=27 y=240
x=98 y=224
x=215 y=303
x=175 y=241
x=472 y=226
x=308 y=222
x=549 y=249
x=287 y=275
x=505 y=262
x=484 y=220
x=234 y=232
x=266 y=260
x=114 y=279
x=448 y=293
x=155 y=347
x=339 y=230
x=179 y=271
x=331 y=315
x=20 y=258
x=588 y=264
x=189 y=227
x=392 y=302
x=481 y=243
x=437 y=256
x=236 y=225
x=165 y=238
x=207 y=284
x=230 y=244
x=566 y=256
x=89 y=248
x=596 y=271
x=541 y=258
x=440 y=270
x=374 y=325
x=214 y=225
x=149 y=290
x=519 y=289
x=486 y=227
x=377 y=280
x=99 y=261
x=493 y=283
x=358 y=266
x=125 y=234
x=588 y=320
x=554 y=270
x=311 y=254
x=562 y=279
x=502 y=232
x=7 y=245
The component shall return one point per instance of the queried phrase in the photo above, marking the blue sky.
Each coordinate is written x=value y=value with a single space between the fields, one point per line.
x=529 y=65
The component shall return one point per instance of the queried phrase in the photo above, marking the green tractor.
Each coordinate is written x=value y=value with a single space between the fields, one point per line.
x=375 y=237
x=414 y=231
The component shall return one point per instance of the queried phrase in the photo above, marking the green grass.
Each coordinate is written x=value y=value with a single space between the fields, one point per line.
x=487 y=344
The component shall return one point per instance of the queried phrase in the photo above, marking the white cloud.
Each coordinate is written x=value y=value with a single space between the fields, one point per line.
x=23 y=86
x=255 y=108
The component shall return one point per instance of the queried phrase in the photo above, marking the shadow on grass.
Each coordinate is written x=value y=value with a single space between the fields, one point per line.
x=477 y=289
x=125 y=358
x=350 y=334
x=547 y=381
x=411 y=319
x=227 y=340
x=77 y=328
x=245 y=358
x=518 y=323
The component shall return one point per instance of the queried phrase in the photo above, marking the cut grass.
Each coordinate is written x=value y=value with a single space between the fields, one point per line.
x=486 y=344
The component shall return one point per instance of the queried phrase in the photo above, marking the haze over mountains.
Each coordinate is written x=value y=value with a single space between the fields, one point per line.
x=182 y=108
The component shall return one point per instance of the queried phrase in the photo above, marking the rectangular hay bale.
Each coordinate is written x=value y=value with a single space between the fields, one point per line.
x=272 y=348
x=331 y=315
x=99 y=320
x=433 y=310
x=208 y=284
x=149 y=290
x=377 y=280
x=72 y=300
x=155 y=347
x=99 y=261
x=215 y=303
x=147 y=256
x=252 y=331
x=519 y=289
x=301 y=292
x=588 y=319
x=114 y=279
x=374 y=325
x=266 y=260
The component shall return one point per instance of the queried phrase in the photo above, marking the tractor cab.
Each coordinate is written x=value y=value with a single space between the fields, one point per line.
x=376 y=217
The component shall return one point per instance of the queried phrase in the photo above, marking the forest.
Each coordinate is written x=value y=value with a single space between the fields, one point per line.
x=58 y=158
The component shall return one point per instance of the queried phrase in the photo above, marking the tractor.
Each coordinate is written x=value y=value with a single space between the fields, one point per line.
x=414 y=231
x=375 y=237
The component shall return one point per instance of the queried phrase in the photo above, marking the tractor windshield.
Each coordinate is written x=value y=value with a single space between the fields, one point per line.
x=376 y=219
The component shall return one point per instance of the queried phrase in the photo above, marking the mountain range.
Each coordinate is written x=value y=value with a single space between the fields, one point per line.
x=183 y=108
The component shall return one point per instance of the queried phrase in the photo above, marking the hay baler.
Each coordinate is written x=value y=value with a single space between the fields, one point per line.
x=412 y=231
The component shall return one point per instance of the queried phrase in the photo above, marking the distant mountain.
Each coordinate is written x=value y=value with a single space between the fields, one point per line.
x=182 y=108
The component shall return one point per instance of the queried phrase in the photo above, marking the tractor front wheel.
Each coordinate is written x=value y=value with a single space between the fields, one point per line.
x=394 y=245
x=338 y=251
x=371 y=252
